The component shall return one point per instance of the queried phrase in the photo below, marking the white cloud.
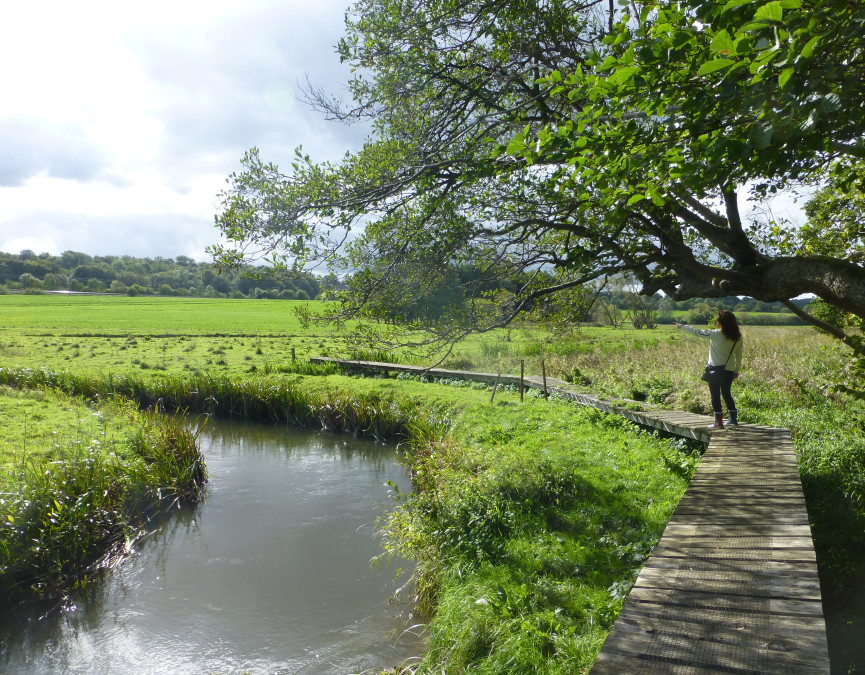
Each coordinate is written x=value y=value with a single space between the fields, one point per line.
x=119 y=121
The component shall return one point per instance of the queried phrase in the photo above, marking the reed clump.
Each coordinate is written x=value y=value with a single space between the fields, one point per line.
x=263 y=399
x=66 y=514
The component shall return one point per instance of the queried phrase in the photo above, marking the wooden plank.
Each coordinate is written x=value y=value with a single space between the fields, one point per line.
x=648 y=652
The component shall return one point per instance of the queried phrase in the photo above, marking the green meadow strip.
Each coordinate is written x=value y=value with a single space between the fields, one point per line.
x=529 y=524
x=263 y=399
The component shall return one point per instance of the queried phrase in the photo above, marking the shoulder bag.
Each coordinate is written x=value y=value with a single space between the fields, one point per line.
x=715 y=374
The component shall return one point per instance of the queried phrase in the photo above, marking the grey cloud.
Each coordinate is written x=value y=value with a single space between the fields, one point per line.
x=166 y=235
x=30 y=149
x=231 y=87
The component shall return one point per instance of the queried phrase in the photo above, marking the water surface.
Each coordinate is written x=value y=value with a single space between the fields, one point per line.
x=271 y=574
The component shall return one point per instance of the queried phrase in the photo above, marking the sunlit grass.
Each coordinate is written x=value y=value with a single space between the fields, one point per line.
x=529 y=526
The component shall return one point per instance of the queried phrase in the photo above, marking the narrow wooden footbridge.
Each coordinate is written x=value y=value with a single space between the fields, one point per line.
x=732 y=585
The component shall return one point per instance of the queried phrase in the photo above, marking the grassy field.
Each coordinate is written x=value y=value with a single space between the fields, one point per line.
x=119 y=315
x=156 y=335
x=469 y=524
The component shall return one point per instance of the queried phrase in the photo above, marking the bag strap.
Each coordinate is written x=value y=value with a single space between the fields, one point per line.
x=731 y=353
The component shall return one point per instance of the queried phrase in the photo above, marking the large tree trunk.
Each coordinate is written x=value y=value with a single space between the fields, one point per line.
x=836 y=281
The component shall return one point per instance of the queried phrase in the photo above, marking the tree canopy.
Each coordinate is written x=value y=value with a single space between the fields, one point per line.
x=562 y=141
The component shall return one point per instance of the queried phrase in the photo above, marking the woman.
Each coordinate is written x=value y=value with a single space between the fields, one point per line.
x=725 y=349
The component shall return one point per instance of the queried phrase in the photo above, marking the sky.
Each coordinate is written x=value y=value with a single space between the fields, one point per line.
x=119 y=121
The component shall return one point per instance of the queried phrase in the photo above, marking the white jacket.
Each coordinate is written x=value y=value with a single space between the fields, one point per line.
x=720 y=348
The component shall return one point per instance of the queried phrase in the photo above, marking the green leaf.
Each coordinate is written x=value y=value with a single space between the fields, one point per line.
x=722 y=43
x=772 y=11
x=715 y=65
x=831 y=102
x=743 y=45
x=622 y=75
x=760 y=135
x=808 y=49
x=784 y=77
x=733 y=4
x=516 y=145
x=608 y=63
x=635 y=199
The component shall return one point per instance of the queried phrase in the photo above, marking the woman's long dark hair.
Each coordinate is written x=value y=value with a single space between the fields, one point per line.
x=729 y=325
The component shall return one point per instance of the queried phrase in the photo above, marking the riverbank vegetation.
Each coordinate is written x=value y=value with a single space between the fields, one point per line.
x=78 y=482
x=530 y=524
x=595 y=490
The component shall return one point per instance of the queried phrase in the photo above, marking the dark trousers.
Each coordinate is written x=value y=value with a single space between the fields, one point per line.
x=717 y=391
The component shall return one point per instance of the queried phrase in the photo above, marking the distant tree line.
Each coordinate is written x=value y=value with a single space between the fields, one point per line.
x=464 y=290
x=181 y=276
x=420 y=300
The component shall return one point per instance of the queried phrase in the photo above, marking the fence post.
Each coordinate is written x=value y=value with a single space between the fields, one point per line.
x=522 y=370
x=495 y=386
x=544 y=373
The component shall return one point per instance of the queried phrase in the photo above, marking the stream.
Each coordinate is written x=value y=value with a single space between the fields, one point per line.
x=271 y=574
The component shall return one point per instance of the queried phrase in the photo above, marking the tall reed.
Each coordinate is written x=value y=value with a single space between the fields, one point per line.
x=61 y=521
x=261 y=399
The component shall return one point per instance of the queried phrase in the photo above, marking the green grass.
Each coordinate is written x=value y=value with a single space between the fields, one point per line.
x=76 y=482
x=121 y=315
x=530 y=525
x=786 y=381
x=155 y=335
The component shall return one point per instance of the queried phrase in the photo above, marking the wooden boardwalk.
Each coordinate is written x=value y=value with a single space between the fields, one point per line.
x=732 y=585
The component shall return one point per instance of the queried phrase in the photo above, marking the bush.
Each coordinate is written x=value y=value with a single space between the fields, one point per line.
x=702 y=314
x=826 y=313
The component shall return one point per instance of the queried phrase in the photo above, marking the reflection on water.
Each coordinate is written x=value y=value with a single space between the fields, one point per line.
x=271 y=574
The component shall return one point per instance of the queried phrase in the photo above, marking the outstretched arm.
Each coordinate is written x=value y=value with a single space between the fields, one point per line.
x=694 y=331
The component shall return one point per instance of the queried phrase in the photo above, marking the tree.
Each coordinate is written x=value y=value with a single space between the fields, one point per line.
x=701 y=314
x=695 y=99
x=27 y=280
x=96 y=286
x=521 y=137
x=827 y=313
x=642 y=310
x=53 y=282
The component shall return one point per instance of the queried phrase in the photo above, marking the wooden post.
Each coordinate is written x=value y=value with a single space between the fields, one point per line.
x=522 y=371
x=495 y=386
x=544 y=373
x=292 y=354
